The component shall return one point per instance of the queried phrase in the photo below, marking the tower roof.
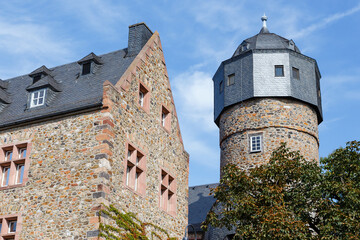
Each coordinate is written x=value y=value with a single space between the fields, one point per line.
x=265 y=40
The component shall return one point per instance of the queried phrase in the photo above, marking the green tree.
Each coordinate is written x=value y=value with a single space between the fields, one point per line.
x=341 y=188
x=126 y=226
x=291 y=198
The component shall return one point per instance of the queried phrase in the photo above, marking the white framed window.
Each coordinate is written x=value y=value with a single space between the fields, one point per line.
x=12 y=226
x=5 y=176
x=141 y=98
x=19 y=173
x=8 y=155
x=279 y=71
x=38 y=98
x=256 y=143
x=22 y=153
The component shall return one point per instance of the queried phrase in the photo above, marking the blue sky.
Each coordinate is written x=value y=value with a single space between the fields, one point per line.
x=196 y=36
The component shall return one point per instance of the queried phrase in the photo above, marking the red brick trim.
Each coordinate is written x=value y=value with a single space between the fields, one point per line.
x=129 y=179
x=14 y=162
x=167 y=188
x=4 y=234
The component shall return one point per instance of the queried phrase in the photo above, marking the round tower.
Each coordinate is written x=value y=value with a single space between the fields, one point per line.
x=265 y=94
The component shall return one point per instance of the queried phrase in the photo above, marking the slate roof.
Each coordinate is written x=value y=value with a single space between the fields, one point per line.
x=41 y=70
x=76 y=91
x=91 y=56
x=200 y=202
x=266 y=40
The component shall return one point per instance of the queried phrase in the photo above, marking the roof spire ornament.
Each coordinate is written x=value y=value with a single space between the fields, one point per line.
x=264 y=28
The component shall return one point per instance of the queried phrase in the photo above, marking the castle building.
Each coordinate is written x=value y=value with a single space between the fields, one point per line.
x=265 y=94
x=100 y=130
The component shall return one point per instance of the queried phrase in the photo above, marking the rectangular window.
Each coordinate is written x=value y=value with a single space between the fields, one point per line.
x=221 y=86
x=8 y=155
x=165 y=118
x=13 y=162
x=86 y=68
x=38 y=98
x=167 y=192
x=12 y=226
x=9 y=227
x=22 y=153
x=231 y=79
x=295 y=73
x=135 y=169
x=5 y=176
x=144 y=97
x=279 y=70
x=256 y=143
x=19 y=173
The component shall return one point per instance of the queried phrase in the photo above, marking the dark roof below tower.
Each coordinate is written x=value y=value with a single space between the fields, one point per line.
x=200 y=203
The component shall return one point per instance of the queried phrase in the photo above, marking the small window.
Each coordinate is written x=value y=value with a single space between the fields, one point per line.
x=221 y=86
x=38 y=98
x=295 y=73
x=167 y=193
x=144 y=99
x=165 y=118
x=13 y=160
x=86 y=67
x=22 y=153
x=5 y=176
x=36 y=78
x=135 y=170
x=19 y=173
x=12 y=226
x=256 y=143
x=8 y=227
x=8 y=155
x=231 y=79
x=244 y=47
x=279 y=70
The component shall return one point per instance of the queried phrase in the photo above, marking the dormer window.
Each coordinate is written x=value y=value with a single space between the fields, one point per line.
x=86 y=68
x=38 y=98
x=36 y=78
x=89 y=63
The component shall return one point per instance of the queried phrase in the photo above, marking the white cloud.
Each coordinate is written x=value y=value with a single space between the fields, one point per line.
x=31 y=45
x=98 y=15
x=324 y=22
x=193 y=93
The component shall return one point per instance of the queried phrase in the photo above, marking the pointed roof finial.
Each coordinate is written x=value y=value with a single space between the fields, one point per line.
x=264 y=27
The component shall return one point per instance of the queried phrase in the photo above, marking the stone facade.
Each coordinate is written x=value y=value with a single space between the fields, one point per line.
x=78 y=161
x=277 y=120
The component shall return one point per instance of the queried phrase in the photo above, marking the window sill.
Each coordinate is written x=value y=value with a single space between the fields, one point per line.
x=142 y=195
x=12 y=186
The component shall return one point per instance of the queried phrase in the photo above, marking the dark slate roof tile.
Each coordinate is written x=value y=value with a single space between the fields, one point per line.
x=47 y=81
x=200 y=202
x=3 y=84
x=78 y=91
x=4 y=96
x=90 y=57
x=43 y=69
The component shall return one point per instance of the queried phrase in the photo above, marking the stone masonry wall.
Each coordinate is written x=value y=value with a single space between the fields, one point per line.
x=142 y=128
x=57 y=200
x=278 y=120
x=77 y=162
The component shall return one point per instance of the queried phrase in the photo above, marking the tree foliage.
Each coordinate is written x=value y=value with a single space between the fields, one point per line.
x=126 y=226
x=291 y=198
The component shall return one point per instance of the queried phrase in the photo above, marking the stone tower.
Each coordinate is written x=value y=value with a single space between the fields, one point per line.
x=265 y=94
